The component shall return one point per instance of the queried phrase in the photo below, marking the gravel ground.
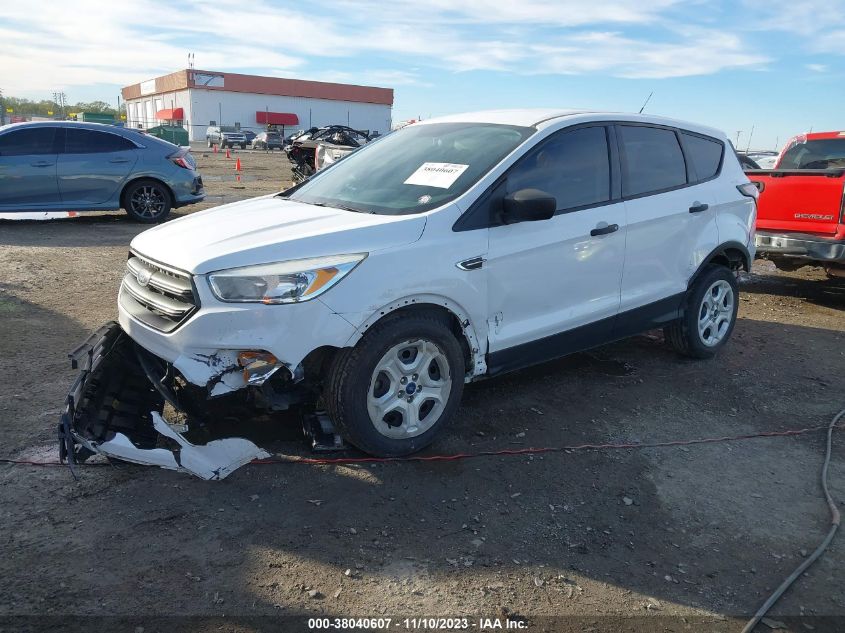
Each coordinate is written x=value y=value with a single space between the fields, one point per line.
x=661 y=538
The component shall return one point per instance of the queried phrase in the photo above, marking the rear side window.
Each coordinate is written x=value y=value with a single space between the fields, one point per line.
x=79 y=141
x=815 y=154
x=704 y=154
x=572 y=166
x=34 y=140
x=652 y=160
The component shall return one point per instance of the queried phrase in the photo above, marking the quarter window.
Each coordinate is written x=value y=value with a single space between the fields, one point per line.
x=79 y=141
x=573 y=166
x=28 y=142
x=704 y=154
x=651 y=160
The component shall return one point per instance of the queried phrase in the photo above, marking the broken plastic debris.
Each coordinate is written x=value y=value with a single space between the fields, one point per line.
x=215 y=460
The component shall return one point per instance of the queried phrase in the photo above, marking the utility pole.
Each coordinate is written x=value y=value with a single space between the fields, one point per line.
x=2 y=108
x=738 y=132
x=750 y=136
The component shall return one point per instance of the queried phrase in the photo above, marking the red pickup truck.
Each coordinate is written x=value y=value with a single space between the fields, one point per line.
x=801 y=208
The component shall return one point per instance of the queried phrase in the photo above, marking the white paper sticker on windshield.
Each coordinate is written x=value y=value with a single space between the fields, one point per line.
x=442 y=175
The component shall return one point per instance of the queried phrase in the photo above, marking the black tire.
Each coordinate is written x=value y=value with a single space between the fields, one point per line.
x=151 y=211
x=684 y=335
x=209 y=143
x=222 y=145
x=350 y=379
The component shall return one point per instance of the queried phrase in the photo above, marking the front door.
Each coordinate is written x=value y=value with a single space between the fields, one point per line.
x=28 y=169
x=554 y=285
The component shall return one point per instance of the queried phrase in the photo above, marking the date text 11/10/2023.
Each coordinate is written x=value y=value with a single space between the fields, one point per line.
x=418 y=624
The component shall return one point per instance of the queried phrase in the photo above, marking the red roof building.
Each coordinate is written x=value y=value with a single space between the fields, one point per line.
x=196 y=99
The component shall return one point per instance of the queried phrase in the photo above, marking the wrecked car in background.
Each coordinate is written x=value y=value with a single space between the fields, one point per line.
x=317 y=148
x=449 y=251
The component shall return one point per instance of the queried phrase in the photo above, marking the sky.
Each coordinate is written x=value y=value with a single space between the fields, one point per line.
x=777 y=65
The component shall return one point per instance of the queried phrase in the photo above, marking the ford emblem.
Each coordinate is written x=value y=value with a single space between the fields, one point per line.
x=144 y=277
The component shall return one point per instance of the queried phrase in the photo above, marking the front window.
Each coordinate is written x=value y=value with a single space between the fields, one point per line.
x=414 y=169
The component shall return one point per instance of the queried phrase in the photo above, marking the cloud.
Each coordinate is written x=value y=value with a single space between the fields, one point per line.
x=817 y=68
x=48 y=45
x=698 y=53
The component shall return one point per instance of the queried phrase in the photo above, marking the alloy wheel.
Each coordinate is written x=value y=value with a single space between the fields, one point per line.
x=148 y=202
x=409 y=389
x=716 y=313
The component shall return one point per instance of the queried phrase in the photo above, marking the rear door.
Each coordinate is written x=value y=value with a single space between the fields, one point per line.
x=28 y=168
x=671 y=219
x=94 y=166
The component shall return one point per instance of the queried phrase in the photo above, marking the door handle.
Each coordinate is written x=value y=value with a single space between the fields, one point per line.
x=119 y=160
x=698 y=207
x=604 y=230
x=42 y=163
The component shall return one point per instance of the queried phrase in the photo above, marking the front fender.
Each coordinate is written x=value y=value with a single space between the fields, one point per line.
x=474 y=330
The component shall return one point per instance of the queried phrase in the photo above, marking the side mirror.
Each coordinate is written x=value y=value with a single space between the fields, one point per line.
x=528 y=205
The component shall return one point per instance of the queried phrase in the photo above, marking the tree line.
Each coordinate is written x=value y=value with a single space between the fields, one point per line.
x=45 y=106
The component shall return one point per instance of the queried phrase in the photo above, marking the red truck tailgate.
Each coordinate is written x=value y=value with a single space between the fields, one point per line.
x=800 y=200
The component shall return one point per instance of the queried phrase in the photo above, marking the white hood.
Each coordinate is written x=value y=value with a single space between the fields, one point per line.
x=271 y=229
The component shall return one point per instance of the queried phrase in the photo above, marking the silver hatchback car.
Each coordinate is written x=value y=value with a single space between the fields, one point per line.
x=69 y=166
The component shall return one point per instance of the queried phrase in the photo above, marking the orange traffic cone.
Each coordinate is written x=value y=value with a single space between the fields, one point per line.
x=228 y=155
x=238 y=165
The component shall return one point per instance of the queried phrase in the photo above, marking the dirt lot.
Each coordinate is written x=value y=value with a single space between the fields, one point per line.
x=671 y=539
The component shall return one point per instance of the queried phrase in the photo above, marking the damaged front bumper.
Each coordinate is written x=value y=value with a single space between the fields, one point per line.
x=115 y=408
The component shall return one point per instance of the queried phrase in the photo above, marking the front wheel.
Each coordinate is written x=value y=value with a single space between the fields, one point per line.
x=709 y=314
x=394 y=392
x=147 y=201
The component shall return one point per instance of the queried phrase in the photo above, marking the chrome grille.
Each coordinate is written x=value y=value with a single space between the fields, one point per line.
x=158 y=296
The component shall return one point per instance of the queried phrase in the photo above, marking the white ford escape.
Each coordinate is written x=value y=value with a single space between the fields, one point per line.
x=454 y=249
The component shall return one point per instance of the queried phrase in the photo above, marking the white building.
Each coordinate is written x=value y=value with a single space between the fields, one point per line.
x=198 y=98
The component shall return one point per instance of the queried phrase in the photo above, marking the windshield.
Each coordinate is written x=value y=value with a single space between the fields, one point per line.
x=818 y=154
x=414 y=169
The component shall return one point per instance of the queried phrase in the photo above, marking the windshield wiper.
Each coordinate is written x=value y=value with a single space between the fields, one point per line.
x=334 y=206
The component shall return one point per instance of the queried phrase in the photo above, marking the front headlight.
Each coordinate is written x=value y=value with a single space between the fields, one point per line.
x=282 y=282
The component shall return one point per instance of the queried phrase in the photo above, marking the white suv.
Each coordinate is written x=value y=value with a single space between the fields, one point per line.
x=452 y=250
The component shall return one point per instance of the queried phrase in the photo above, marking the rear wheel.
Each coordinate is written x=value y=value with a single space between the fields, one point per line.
x=709 y=314
x=147 y=201
x=394 y=392
x=208 y=143
x=243 y=145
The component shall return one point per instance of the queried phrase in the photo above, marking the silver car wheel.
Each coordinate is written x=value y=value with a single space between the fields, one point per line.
x=148 y=202
x=409 y=389
x=716 y=313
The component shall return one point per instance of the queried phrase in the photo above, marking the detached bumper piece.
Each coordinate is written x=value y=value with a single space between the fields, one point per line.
x=114 y=408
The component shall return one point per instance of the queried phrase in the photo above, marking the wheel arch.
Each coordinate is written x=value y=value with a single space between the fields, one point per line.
x=731 y=255
x=459 y=321
x=136 y=179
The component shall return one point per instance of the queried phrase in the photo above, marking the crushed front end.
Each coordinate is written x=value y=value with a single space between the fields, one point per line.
x=128 y=405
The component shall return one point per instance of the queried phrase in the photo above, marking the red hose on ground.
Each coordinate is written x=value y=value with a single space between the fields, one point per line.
x=496 y=453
